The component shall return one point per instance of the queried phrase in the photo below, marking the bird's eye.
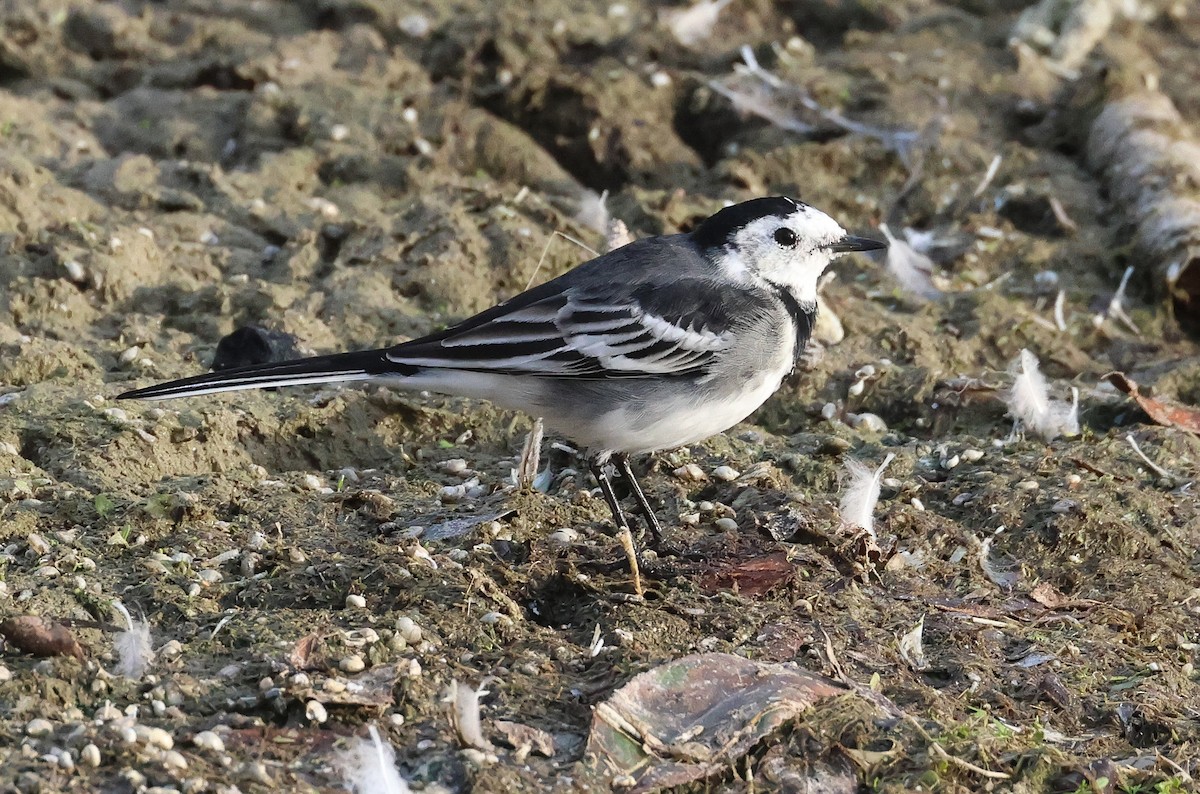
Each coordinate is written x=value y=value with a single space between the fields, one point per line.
x=785 y=237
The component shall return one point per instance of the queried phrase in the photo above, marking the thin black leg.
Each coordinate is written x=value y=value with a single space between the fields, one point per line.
x=610 y=495
x=622 y=464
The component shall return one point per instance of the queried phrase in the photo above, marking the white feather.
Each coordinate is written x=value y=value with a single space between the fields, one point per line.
x=692 y=25
x=369 y=767
x=912 y=270
x=134 y=651
x=857 y=507
x=1030 y=404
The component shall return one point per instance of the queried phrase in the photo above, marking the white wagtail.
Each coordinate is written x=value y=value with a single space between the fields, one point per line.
x=654 y=345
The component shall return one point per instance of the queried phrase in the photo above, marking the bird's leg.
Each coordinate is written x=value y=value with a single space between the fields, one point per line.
x=623 y=534
x=622 y=463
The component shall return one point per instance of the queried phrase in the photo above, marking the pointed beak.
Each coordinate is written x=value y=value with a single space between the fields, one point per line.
x=851 y=243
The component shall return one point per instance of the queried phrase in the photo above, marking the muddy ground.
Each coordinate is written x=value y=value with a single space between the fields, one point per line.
x=357 y=172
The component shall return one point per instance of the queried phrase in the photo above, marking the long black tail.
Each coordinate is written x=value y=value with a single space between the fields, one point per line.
x=319 y=369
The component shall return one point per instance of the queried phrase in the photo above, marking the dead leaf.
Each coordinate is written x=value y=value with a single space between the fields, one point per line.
x=1046 y=595
x=39 y=636
x=303 y=655
x=518 y=736
x=694 y=717
x=751 y=578
x=1182 y=416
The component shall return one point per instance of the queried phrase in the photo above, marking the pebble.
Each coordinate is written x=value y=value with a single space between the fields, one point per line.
x=207 y=740
x=316 y=712
x=972 y=455
x=352 y=664
x=338 y=132
x=90 y=755
x=173 y=759
x=454 y=466
x=856 y=388
x=951 y=462
x=726 y=524
x=129 y=354
x=726 y=473
x=38 y=727
x=5 y=674
x=409 y=630
x=312 y=482
x=564 y=537
x=690 y=472
x=333 y=686
x=918 y=504
x=155 y=737
x=355 y=601
x=38 y=544
x=1028 y=485
x=209 y=576
x=1064 y=506
x=867 y=422
x=828 y=411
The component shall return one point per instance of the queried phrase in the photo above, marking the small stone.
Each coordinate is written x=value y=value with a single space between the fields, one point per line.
x=972 y=455
x=352 y=664
x=867 y=422
x=173 y=759
x=209 y=576
x=129 y=354
x=355 y=601
x=690 y=472
x=5 y=674
x=564 y=537
x=155 y=737
x=312 y=482
x=338 y=132
x=333 y=686
x=409 y=630
x=951 y=462
x=90 y=755
x=726 y=524
x=39 y=727
x=207 y=740
x=1028 y=485
x=726 y=473
x=316 y=712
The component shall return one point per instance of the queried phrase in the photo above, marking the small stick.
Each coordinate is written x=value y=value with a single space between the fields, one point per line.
x=1159 y=470
x=993 y=167
x=625 y=537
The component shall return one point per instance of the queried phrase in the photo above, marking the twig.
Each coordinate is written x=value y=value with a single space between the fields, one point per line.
x=941 y=753
x=1060 y=302
x=1159 y=470
x=546 y=250
x=993 y=167
x=625 y=537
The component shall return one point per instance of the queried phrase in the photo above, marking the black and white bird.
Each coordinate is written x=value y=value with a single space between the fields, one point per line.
x=657 y=344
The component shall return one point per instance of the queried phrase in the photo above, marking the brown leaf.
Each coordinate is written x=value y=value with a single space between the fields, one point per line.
x=303 y=655
x=40 y=636
x=751 y=578
x=1181 y=416
x=1046 y=595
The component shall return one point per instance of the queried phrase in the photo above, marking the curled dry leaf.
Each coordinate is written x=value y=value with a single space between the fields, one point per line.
x=695 y=717
x=1182 y=416
x=751 y=578
x=39 y=636
x=518 y=735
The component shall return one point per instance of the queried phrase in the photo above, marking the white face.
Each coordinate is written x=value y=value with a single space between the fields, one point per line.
x=791 y=251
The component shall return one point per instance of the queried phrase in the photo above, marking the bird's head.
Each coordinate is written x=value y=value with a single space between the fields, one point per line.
x=781 y=240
